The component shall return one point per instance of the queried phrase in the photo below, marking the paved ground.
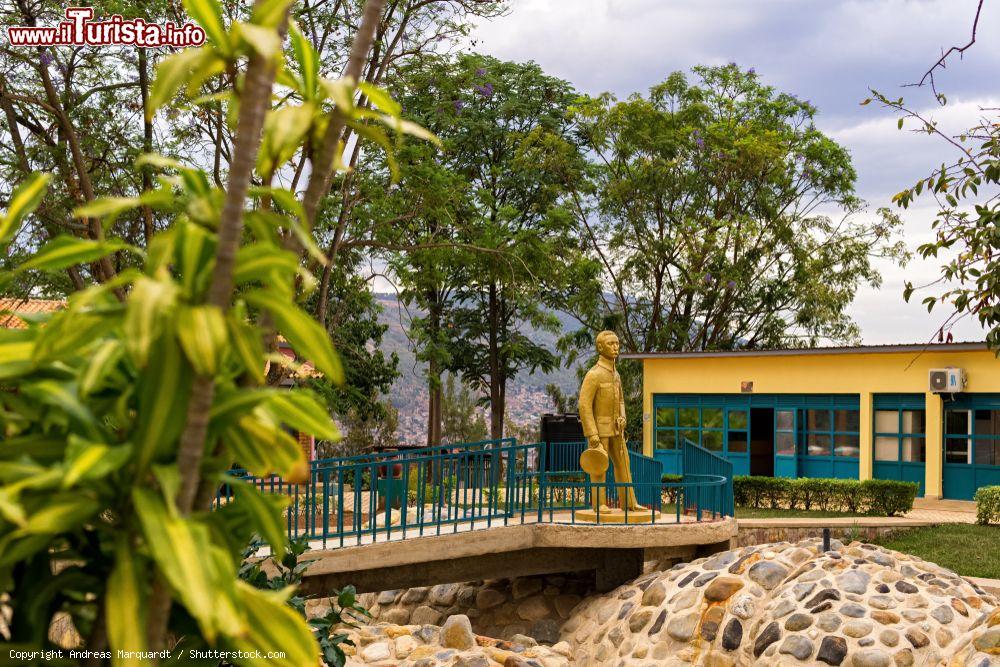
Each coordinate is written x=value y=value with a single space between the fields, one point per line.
x=943 y=511
x=925 y=512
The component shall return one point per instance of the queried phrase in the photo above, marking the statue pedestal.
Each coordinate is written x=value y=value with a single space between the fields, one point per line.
x=616 y=516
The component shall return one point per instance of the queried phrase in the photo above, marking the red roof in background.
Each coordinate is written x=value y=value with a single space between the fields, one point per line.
x=10 y=320
x=305 y=369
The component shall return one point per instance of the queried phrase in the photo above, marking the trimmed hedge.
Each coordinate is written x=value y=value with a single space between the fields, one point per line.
x=876 y=497
x=670 y=495
x=988 y=505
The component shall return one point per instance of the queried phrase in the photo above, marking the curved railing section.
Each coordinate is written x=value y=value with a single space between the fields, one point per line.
x=701 y=465
x=462 y=487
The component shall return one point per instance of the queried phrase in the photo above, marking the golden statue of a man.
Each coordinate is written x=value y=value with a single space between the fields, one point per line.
x=602 y=414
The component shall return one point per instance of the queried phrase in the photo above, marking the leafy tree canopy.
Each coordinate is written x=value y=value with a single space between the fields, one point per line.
x=722 y=217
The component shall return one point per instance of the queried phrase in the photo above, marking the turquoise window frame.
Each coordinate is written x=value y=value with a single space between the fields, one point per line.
x=973 y=437
x=790 y=464
x=898 y=469
x=831 y=432
x=898 y=434
x=677 y=432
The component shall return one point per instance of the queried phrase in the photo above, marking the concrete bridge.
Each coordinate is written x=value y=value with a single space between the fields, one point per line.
x=496 y=509
x=614 y=552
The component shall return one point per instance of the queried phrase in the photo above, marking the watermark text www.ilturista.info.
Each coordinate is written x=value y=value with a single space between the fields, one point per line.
x=80 y=29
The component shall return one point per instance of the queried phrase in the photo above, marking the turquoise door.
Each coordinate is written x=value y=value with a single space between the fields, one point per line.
x=971 y=445
x=737 y=445
x=900 y=438
x=786 y=460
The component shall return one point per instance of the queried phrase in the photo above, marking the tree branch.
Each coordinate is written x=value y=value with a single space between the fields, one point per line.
x=322 y=167
x=256 y=101
x=960 y=50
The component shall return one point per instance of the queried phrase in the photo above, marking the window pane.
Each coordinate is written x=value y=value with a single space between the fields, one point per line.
x=987 y=422
x=738 y=442
x=914 y=450
x=956 y=421
x=846 y=420
x=987 y=452
x=785 y=420
x=738 y=419
x=712 y=440
x=689 y=435
x=847 y=445
x=666 y=417
x=914 y=421
x=956 y=450
x=886 y=448
x=666 y=440
x=711 y=417
x=817 y=420
x=886 y=421
x=785 y=443
x=689 y=417
x=818 y=445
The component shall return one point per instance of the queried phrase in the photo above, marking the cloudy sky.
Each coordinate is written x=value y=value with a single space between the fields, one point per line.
x=826 y=51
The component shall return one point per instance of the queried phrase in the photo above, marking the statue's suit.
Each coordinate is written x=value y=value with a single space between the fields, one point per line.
x=602 y=414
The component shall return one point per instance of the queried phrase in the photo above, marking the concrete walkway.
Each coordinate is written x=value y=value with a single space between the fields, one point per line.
x=943 y=511
x=925 y=512
x=837 y=522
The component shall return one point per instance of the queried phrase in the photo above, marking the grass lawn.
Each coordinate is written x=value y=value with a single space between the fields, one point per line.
x=967 y=549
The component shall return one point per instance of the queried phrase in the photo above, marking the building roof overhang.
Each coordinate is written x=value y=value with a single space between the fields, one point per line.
x=969 y=346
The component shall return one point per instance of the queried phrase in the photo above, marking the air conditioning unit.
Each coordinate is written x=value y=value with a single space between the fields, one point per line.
x=946 y=380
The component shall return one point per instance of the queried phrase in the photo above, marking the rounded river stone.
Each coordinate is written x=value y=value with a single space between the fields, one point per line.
x=767 y=573
x=796 y=646
x=798 y=622
x=832 y=650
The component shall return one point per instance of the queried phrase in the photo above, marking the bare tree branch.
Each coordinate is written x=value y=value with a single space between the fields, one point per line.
x=928 y=76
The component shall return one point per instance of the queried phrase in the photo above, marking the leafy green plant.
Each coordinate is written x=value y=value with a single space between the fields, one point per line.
x=669 y=495
x=122 y=413
x=968 y=211
x=987 y=505
x=344 y=609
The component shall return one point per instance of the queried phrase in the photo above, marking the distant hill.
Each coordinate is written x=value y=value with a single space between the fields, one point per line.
x=526 y=398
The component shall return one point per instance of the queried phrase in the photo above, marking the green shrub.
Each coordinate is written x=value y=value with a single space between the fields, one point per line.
x=877 y=497
x=762 y=492
x=669 y=495
x=988 y=505
x=884 y=497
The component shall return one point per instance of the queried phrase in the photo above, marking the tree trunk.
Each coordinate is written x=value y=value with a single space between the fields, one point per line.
x=147 y=145
x=496 y=379
x=434 y=377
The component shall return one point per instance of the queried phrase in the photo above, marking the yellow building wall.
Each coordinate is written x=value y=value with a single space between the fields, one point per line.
x=845 y=373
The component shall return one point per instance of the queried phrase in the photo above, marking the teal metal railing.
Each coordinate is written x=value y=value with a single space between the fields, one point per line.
x=460 y=487
x=563 y=459
x=701 y=465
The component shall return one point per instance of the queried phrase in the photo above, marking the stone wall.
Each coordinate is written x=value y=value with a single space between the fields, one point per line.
x=750 y=535
x=857 y=605
x=453 y=644
x=791 y=603
x=533 y=607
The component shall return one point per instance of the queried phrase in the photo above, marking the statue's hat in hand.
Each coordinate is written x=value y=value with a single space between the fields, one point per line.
x=594 y=461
